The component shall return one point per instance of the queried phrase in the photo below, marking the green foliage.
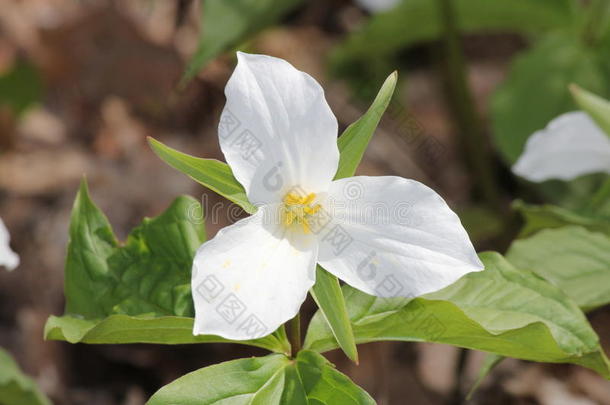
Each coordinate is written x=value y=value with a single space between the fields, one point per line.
x=329 y=297
x=150 y=274
x=139 y=291
x=372 y=49
x=572 y=258
x=535 y=91
x=538 y=217
x=271 y=380
x=355 y=139
x=211 y=173
x=15 y=387
x=120 y=329
x=502 y=310
x=225 y=23
x=20 y=87
x=598 y=108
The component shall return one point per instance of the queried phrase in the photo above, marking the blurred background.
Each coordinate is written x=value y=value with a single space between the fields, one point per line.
x=83 y=83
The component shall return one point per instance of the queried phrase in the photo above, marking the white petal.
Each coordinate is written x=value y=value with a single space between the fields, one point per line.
x=8 y=258
x=570 y=146
x=394 y=237
x=251 y=278
x=277 y=131
x=377 y=6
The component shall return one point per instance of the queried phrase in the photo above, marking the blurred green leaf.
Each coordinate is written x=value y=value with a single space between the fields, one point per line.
x=572 y=258
x=538 y=217
x=226 y=23
x=597 y=107
x=20 y=87
x=536 y=90
x=15 y=387
x=211 y=173
x=121 y=329
x=270 y=380
x=416 y=21
x=502 y=310
x=329 y=297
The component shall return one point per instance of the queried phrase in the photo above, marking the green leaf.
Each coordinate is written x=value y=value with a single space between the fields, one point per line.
x=225 y=23
x=150 y=274
x=415 y=21
x=538 y=217
x=211 y=173
x=549 y=67
x=329 y=297
x=597 y=107
x=271 y=380
x=121 y=329
x=15 y=387
x=572 y=258
x=139 y=291
x=502 y=310
x=354 y=140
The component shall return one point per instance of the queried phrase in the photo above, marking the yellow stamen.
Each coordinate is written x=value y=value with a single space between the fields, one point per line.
x=299 y=209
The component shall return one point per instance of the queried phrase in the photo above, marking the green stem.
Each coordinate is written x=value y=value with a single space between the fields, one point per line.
x=294 y=334
x=601 y=196
x=461 y=102
x=460 y=366
x=597 y=19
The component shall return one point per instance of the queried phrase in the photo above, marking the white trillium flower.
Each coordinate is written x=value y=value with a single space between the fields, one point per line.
x=386 y=236
x=571 y=145
x=8 y=258
x=377 y=6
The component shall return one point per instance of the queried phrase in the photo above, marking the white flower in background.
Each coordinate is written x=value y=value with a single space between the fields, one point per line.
x=386 y=236
x=570 y=146
x=377 y=6
x=8 y=258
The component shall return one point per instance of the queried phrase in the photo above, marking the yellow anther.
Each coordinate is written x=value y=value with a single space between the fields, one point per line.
x=299 y=209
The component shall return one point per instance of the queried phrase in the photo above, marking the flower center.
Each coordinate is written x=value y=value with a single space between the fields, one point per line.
x=299 y=210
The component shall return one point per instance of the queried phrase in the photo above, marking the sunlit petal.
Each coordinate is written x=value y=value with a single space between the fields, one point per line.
x=277 y=130
x=252 y=277
x=394 y=237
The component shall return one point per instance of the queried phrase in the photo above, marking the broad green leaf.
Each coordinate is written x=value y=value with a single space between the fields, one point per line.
x=597 y=107
x=15 y=387
x=149 y=274
x=354 y=140
x=572 y=258
x=502 y=310
x=125 y=293
x=121 y=329
x=329 y=297
x=538 y=217
x=225 y=23
x=549 y=67
x=272 y=380
x=415 y=21
x=211 y=173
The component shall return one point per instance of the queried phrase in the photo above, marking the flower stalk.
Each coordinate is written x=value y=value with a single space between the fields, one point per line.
x=294 y=334
x=461 y=102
